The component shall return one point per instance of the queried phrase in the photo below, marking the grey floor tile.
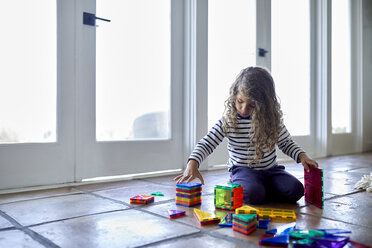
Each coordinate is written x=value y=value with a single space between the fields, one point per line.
x=128 y=228
x=207 y=205
x=359 y=233
x=199 y=241
x=4 y=223
x=29 y=195
x=350 y=209
x=56 y=208
x=17 y=239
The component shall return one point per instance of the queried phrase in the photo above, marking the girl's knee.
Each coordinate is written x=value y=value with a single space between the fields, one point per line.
x=254 y=195
x=296 y=192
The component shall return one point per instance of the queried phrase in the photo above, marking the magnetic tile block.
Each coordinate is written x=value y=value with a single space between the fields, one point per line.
x=263 y=224
x=228 y=196
x=188 y=204
x=245 y=218
x=142 y=199
x=189 y=186
x=283 y=229
x=281 y=240
x=245 y=231
x=188 y=195
x=226 y=221
x=157 y=193
x=314 y=190
x=205 y=218
x=277 y=214
x=246 y=210
x=176 y=213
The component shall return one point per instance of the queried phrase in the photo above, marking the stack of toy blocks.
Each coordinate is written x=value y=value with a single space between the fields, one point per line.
x=228 y=196
x=142 y=199
x=188 y=194
x=314 y=192
x=205 y=218
x=244 y=223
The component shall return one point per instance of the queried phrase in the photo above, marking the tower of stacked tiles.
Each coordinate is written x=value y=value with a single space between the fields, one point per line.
x=228 y=196
x=188 y=194
x=244 y=223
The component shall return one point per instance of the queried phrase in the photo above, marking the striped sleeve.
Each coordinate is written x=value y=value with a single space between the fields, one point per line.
x=288 y=146
x=208 y=143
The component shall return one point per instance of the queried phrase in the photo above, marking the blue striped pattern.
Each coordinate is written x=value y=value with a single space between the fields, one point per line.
x=241 y=149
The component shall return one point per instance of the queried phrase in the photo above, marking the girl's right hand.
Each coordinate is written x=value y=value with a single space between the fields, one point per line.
x=190 y=173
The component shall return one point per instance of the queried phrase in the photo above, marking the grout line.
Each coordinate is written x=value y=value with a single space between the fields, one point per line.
x=34 y=235
x=171 y=239
x=39 y=198
x=76 y=217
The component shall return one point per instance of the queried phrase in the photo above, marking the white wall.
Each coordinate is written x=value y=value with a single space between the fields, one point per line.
x=367 y=75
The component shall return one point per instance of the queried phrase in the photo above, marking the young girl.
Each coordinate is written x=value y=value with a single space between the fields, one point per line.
x=253 y=125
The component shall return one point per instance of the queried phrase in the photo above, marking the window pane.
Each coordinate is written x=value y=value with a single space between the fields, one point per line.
x=290 y=45
x=341 y=77
x=231 y=47
x=28 y=71
x=133 y=70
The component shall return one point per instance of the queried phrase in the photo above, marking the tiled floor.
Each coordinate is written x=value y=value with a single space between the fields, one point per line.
x=100 y=215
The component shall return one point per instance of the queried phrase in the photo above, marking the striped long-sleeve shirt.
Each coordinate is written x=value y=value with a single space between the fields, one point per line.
x=241 y=149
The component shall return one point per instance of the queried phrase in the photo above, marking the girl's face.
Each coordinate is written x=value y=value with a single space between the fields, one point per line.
x=244 y=106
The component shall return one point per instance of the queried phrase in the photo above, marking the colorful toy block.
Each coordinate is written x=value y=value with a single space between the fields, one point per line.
x=142 y=199
x=176 y=213
x=277 y=214
x=157 y=193
x=246 y=210
x=244 y=223
x=228 y=196
x=205 y=218
x=188 y=194
x=263 y=224
x=268 y=213
x=226 y=221
x=284 y=229
x=280 y=240
x=314 y=191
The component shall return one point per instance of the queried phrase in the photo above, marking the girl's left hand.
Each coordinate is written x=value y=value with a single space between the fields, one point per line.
x=306 y=161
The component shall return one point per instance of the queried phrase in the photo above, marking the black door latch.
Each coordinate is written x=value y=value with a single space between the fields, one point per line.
x=90 y=19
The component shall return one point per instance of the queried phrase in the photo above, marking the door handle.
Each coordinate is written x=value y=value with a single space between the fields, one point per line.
x=90 y=19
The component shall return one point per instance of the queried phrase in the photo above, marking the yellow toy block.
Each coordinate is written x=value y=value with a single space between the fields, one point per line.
x=268 y=213
x=246 y=210
x=277 y=214
x=203 y=216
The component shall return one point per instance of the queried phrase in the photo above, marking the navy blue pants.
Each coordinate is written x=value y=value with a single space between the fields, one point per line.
x=274 y=184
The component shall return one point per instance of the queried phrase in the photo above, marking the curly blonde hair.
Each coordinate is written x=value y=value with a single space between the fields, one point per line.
x=256 y=84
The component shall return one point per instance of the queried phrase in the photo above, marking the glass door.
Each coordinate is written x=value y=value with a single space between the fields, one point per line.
x=36 y=89
x=291 y=68
x=231 y=47
x=129 y=111
x=344 y=83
